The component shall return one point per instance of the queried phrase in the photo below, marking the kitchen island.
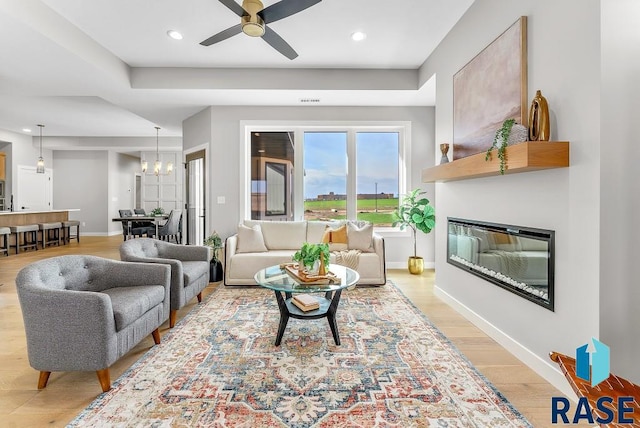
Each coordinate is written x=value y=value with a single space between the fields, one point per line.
x=20 y=218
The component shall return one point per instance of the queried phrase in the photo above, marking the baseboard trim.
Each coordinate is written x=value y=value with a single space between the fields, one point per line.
x=545 y=369
x=403 y=265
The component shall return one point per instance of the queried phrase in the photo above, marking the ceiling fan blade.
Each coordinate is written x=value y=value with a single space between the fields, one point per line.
x=235 y=7
x=278 y=43
x=284 y=8
x=222 y=35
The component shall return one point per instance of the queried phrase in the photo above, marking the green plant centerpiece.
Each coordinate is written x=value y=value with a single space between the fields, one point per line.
x=500 y=141
x=214 y=242
x=308 y=254
x=157 y=211
x=416 y=213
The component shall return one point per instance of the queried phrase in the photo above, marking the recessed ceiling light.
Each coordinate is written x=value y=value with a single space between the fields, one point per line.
x=174 y=34
x=26 y=130
x=358 y=35
x=261 y=151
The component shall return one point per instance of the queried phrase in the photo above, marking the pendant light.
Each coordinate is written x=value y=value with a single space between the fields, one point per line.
x=157 y=165
x=40 y=164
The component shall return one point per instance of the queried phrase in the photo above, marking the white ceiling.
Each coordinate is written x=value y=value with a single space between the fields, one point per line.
x=107 y=67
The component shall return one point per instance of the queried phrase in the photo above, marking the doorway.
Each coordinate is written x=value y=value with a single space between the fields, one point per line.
x=196 y=202
x=137 y=191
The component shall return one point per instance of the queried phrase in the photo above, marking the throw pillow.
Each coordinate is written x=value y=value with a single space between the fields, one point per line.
x=336 y=238
x=360 y=238
x=250 y=240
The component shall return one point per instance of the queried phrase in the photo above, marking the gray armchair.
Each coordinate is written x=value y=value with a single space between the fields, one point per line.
x=189 y=267
x=83 y=313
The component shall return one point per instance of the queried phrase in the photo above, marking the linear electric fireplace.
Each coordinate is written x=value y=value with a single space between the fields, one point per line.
x=518 y=259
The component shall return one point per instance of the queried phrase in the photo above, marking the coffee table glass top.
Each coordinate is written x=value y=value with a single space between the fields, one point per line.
x=277 y=279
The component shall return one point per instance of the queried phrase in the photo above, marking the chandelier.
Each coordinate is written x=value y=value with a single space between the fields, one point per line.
x=40 y=164
x=157 y=165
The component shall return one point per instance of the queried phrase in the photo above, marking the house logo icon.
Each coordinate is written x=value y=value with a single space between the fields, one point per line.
x=596 y=368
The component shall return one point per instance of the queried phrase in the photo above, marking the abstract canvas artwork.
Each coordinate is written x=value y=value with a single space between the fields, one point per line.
x=489 y=89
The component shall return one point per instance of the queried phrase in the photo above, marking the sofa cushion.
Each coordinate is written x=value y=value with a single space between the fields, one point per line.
x=282 y=235
x=130 y=303
x=315 y=230
x=360 y=238
x=250 y=239
x=192 y=270
x=336 y=238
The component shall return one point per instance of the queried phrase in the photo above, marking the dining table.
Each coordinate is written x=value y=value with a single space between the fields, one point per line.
x=155 y=219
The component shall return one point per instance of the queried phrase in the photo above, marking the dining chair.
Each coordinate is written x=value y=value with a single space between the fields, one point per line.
x=137 y=228
x=171 y=229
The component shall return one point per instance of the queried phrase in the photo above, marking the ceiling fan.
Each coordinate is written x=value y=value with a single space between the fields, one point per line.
x=254 y=19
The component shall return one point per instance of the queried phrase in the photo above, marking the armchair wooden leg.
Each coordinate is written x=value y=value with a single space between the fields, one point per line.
x=105 y=380
x=200 y=297
x=43 y=379
x=156 y=336
x=172 y=318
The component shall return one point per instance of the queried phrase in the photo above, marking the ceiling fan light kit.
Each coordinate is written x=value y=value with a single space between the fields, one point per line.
x=254 y=18
x=252 y=24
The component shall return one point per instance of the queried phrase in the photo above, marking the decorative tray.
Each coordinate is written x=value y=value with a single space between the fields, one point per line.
x=305 y=277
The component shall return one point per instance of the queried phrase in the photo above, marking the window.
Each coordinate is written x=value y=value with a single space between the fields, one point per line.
x=377 y=160
x=272 y=161
x=348 y=172
x=325 y=175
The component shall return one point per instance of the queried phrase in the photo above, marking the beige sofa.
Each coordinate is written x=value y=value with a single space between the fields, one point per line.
x=282 y=239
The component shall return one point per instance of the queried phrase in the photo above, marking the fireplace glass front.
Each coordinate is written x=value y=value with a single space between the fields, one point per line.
x=518 y=259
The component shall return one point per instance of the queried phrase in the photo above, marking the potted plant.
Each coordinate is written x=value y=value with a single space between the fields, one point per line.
x=214 y=242
x=309 y=254
x=157 y=211
x=509 y=133
x=416 y=213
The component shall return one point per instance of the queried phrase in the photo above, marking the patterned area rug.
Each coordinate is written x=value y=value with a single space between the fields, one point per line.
x=219 y=368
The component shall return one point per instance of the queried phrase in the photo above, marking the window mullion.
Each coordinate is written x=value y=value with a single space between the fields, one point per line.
x=351 y=175
x=298 y=174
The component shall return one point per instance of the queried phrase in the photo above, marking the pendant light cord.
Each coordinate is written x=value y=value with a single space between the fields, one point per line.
x=41 y=126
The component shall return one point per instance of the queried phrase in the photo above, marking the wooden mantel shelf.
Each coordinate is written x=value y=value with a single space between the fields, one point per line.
x=521 y=157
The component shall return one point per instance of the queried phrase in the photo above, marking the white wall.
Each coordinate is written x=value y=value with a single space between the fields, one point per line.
x=81 y=180
x=619 y=178
x=224 y=126
x=563 y=62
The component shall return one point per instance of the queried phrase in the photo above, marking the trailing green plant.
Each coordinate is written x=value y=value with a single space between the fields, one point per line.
x=309 y=253
x=500 y=141
x=157 y=211
x=415 y=212
x=214 y=242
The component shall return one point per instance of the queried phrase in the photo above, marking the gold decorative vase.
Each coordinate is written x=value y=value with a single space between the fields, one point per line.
x=539 y=118
x=416 y=265
x=322 y=270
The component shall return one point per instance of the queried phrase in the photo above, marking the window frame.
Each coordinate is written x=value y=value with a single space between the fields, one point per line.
x=403 y=128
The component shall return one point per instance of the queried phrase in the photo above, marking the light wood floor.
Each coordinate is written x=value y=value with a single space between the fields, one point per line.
x=22 y=405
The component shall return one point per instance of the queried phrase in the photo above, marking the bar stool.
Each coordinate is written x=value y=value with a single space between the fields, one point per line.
x=27 y=230
x=66 y=226
x=4 y=233
x=45 y=233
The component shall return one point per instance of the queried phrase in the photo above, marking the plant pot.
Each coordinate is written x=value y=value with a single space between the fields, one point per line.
x=215 y=271
x=416 y=265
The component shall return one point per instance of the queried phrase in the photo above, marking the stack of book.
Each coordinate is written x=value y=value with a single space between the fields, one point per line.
x=305 y=302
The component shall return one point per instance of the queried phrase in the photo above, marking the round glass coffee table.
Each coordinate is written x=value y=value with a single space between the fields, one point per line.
x=285 y=286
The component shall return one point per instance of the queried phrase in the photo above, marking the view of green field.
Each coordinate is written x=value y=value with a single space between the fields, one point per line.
x=366 y=210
